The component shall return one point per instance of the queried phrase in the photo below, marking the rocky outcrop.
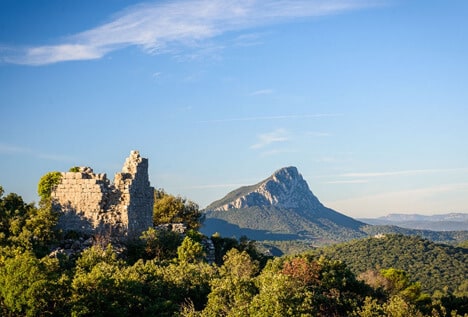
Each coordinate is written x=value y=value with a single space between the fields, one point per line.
x=284 y=189
x=89 y=203
x=281 y=207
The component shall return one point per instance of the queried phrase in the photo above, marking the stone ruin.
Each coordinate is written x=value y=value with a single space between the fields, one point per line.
x=90 y=204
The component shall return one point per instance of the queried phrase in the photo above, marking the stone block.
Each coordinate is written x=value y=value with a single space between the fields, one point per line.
x=126 y=204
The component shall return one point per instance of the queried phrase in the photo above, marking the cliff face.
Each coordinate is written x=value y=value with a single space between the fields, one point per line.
x=284 y=189
x=281 y=206
x=90 y=203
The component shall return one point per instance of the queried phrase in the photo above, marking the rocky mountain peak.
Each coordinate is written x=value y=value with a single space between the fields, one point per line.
x=285 y=188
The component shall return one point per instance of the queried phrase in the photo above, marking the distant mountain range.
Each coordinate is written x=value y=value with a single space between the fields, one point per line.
x=282 y=207
x=442 y=222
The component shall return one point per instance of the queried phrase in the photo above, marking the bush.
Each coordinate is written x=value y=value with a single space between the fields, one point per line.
x=47 y=184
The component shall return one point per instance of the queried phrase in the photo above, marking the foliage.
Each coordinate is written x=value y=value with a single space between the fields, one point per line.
x=74 y=169
x=168 y=276
x=47 y=183
x=394 y=307
x=160 y=244
x=234 y=288
x=434 y=266
x=25 y=226
x=31 y=287
x=223 y=245
x=190 y=251
x=171 y=209
x=321 y=288
x=13 y=211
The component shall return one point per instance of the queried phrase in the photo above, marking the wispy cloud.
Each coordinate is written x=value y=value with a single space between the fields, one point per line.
x=276 y=152
x=15 y=150
x=349 y=181
x=405 y=172
x=251 y=39
x=215 y=186
x=261 y=92
x=279 y=117
x=317 y=134
x=12 y=149
x=264 y=139
x=161 y=27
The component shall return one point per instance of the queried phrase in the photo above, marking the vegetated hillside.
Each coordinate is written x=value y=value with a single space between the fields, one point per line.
x=281 y=207
x=272 y=223
x=435 y=266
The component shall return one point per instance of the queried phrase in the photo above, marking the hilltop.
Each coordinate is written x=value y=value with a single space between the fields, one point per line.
x=434 y=265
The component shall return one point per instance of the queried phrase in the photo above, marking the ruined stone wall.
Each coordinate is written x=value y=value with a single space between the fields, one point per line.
x=90 y=203
x=137 y=194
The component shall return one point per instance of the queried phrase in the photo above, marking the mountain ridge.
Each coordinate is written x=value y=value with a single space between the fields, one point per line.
x=281 y=204
x=284 y=188
x=437 y=222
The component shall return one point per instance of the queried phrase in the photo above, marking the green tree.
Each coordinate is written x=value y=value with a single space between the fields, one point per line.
x=13 y=213
x=398 y=307
x=279 y=294
x=234 y=289
x=462 y=290
x=25 y=226
x=98 y=292
x=399 y=284
x=370 y=308
x=47 y=183
x=160 y=244
x=304 y=286
x=188 y=283
x=171 y=209
x=89 y=258
x=32 y=287
x=190 y=251
x=38 y=231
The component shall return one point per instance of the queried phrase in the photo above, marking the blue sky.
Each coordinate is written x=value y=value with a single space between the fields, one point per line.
x=367 y=98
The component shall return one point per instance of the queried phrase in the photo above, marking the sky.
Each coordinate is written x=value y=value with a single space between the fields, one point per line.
x=367 y=98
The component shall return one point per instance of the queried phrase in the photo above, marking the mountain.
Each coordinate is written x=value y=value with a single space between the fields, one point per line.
x=442 y=222
x=281 y=207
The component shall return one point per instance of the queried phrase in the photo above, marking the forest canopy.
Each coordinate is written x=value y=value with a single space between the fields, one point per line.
x=169 y=274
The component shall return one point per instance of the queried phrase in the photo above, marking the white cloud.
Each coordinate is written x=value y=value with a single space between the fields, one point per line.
x=261 y=92
x=265 y=139
x=161 y=27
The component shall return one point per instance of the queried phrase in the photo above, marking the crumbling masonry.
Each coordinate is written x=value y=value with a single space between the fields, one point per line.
x=89 y=203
